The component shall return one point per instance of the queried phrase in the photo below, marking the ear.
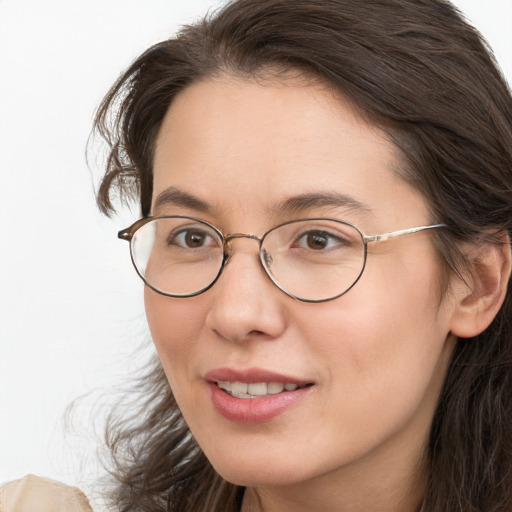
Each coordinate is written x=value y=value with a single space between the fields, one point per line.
x=479 y=300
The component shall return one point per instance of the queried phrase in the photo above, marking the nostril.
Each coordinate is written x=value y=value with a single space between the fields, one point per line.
x=255 y=333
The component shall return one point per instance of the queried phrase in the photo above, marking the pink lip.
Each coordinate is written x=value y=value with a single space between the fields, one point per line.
x=253 y=410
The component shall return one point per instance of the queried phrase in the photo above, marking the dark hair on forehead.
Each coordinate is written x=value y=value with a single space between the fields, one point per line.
x=413 y=62
x=421 y=72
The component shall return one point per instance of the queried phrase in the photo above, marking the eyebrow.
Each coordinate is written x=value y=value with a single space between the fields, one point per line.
x=312 y=200
x=175 y=197
x=295 y=204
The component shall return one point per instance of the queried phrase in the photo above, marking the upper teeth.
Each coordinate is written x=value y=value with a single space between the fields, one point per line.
x=245 y=390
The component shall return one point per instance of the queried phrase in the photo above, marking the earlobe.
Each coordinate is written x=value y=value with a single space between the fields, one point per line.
x=479 y=300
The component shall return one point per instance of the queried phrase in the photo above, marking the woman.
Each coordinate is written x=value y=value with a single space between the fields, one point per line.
x=267 y=145
x=325 y=200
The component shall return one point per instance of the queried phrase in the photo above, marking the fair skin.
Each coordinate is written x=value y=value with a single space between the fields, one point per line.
x=375 y=359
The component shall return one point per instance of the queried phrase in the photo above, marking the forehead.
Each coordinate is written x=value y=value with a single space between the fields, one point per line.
x=246 y=145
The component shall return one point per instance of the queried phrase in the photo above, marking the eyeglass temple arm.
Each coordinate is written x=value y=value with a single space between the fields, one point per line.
x=394 y=234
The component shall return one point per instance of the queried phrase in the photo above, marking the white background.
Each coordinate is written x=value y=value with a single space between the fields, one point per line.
x=71 y=314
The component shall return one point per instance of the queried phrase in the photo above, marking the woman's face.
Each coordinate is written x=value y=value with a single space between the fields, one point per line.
x=373 y=360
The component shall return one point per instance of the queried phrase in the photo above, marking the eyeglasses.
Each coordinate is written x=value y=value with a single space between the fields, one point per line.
x=312 y=260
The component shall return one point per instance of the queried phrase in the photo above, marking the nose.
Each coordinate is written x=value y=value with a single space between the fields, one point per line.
x=245 y=302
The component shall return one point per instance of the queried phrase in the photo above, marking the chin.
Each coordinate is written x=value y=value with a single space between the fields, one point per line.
x=264 y=478
x=272 y=471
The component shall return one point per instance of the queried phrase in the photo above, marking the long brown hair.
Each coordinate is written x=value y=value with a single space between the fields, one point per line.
x=420 y=71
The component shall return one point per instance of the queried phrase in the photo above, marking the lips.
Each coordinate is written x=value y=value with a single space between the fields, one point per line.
x=254 y=395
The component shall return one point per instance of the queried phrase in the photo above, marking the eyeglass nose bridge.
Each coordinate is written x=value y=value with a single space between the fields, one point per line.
x=231 y=236
x=264 y=256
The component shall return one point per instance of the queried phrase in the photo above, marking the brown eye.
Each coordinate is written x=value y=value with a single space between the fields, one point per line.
x=191 y=238
x=317 y=241
x=194 y=238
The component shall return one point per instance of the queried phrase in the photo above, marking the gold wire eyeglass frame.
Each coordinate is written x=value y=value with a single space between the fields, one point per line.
x=129 y=232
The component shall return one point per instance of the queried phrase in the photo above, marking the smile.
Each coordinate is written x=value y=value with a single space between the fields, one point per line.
x=255 y=395
x=255 y=389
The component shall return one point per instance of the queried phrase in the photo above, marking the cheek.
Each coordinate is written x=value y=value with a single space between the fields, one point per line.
x=403 y=307
x=175 y=325
x=385 y=341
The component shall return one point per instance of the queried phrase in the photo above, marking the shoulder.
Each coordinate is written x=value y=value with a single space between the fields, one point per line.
x=41 y=494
